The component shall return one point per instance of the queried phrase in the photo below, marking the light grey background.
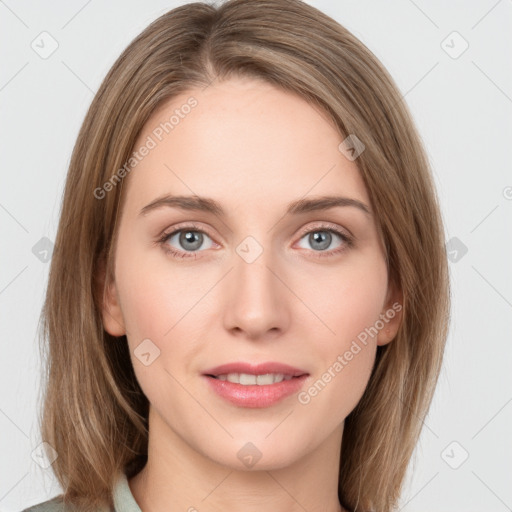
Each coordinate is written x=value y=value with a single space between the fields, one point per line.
x=462 y=107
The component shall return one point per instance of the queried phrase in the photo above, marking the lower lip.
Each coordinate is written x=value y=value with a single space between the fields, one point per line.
x=255 y=395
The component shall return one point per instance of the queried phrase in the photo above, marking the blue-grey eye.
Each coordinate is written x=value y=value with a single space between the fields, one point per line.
x=321 y=239
x=188 y=239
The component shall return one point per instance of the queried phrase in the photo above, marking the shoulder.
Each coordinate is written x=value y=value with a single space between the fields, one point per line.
x=53 y=505
x=123 y=500
x=57 y=505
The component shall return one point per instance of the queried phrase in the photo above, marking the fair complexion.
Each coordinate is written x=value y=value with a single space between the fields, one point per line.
x=254 y=149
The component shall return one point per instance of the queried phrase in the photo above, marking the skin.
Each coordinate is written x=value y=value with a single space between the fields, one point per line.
x=253 y=148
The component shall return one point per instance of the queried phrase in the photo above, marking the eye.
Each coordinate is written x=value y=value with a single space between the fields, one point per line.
x=189 y=240
x=322 y=237
x=186 y=241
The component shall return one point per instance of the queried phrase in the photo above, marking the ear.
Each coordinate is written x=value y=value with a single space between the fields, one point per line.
x=112 y=316
x=391 y=315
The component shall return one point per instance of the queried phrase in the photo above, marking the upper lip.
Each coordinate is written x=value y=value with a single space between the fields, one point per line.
x=255 y=369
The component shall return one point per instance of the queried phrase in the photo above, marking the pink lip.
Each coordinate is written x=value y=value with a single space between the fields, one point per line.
x=255 y=369
x=254 y=395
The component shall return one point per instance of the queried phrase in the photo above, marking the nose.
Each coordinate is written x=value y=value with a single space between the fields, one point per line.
x=257 y=298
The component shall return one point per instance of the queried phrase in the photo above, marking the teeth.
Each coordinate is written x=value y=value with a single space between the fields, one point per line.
x=267 y=379
x=247 y=379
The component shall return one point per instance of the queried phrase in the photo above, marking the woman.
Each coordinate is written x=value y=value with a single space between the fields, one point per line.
x=285 y=359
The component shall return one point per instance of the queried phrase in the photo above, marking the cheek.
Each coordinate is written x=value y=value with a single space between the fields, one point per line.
x=349 y=307
x=151 y=290
x=154 y=309
x=145 y=304
x=350 y=299
x=165 y=304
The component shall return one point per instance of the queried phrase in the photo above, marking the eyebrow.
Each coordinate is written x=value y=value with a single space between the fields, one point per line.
x=206 y=204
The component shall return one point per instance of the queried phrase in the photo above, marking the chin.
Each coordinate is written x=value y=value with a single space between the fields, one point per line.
x=255 y=453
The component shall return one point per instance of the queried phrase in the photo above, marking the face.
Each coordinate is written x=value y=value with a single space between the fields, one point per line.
x=252 y=280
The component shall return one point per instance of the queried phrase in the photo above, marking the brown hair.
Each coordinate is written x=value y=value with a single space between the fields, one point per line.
x=94 y=412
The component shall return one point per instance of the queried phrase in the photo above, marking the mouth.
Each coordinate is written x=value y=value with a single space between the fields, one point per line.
x=248 y=379
x=248 y=374
x=255 y=386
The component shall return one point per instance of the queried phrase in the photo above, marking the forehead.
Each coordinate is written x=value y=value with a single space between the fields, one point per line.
x=242 y=141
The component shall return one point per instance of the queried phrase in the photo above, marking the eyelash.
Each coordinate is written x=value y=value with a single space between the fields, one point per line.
x=348 y=241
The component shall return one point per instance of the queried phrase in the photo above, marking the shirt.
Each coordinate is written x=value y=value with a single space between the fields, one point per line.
x=123 y=500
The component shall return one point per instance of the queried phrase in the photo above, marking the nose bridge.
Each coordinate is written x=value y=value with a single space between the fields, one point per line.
x=256 y=297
